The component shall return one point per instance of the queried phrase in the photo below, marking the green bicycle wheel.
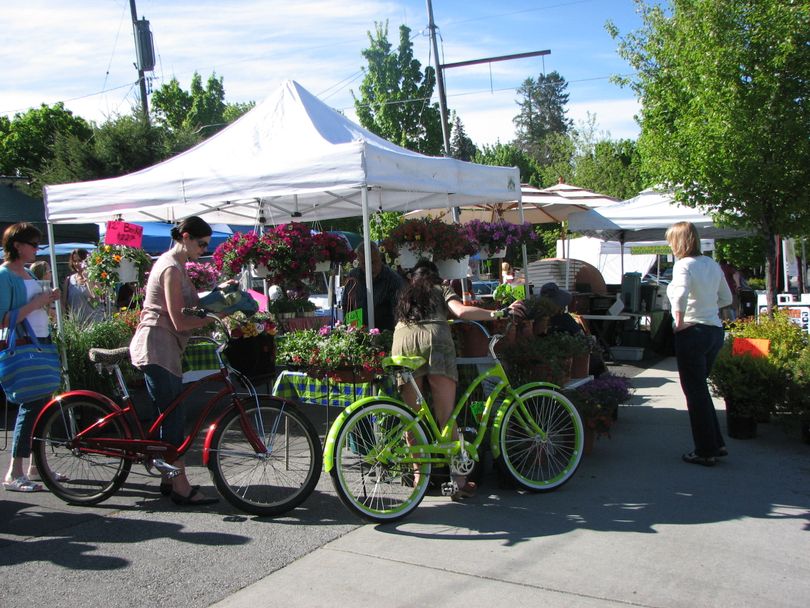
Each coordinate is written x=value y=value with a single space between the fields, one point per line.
x=540 y=440
x=370 y=473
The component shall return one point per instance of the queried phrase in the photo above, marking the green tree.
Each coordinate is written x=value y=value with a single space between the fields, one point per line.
x=461 y=146
x=542 y=112
x=724 y=86
x=509 y=155
x=395 y=94
x=26 y=142
x=612 y=167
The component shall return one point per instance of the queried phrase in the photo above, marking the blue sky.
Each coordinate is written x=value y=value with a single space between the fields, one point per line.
x=82 y=52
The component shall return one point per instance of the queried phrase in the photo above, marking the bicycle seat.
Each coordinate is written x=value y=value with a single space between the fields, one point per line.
x=401 y=363
x=109 y=356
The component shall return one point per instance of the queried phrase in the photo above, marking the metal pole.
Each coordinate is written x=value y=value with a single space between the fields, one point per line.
x=141 y=79
x=370 y=322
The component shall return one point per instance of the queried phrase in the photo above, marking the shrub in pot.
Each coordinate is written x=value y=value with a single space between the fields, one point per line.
x=751 y=387
x=545 y=358
x=797 y=401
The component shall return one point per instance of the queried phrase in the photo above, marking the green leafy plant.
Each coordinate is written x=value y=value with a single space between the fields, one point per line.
x=750 y=385
x=77 y=338
x=103 y=263
x=539 y=307
x=329 y=350
x=787 y=338
x=797 y=402
x=290 y=306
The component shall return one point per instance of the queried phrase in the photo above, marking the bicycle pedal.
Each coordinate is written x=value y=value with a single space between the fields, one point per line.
x=449 y=488
x=166 y=469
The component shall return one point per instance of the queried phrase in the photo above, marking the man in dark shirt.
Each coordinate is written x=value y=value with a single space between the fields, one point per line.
x=385 y=284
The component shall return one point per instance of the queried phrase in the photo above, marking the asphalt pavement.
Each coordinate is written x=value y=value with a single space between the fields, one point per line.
x=636 y=526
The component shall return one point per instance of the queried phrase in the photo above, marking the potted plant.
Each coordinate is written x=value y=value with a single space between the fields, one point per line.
x=344 y=353
x=251 y=347
x=597 y=402
x=540 y=309
x=331 y=250
x=433 y=239
x=797 y=402
x=532 y=359
x=749 y=385
x=204 y=275
x=238 y=251
x=110 y=265
x=494 y=237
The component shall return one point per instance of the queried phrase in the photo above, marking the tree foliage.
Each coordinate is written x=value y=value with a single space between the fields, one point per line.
x=26 y=141
x=611 y=167
x=542 y=113
x=461 y=146
x=509 y=155
x=724 y=86
x=395 y=94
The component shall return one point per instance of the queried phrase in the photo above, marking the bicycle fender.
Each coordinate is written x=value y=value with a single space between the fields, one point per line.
x=67 y=397
x=331 y=437
x=494 y=443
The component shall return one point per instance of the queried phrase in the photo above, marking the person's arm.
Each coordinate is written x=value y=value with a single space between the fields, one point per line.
x=474 y=313
x=678 y=293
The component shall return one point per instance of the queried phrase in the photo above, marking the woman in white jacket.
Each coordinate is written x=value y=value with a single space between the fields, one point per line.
x=696 y=294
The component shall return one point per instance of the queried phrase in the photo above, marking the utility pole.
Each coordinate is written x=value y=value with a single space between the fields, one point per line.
x=144 y=52
x=440 y=84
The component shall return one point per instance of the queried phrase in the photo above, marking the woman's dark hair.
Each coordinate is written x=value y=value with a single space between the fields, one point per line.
x=195 y=226
x=77 y=256
x=22 y=232
x=418 y=300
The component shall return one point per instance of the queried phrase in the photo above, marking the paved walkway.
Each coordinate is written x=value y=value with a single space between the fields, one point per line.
x=636 y=526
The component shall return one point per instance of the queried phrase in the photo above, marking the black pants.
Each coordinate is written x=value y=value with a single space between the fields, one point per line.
x=696 y=349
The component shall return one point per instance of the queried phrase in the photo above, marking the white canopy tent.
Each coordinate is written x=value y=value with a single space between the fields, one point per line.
x=291 y=157
x=644 y=217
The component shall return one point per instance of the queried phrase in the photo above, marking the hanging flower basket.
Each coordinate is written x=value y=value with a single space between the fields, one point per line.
x=428 y=238
x=408 y=257
x=127 y=271
x=495 y=237
x=453 y=269
x=110 y=265
x=331 y=250
x=490 y=253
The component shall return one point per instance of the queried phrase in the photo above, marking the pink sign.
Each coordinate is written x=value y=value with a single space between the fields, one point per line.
x=122 y=233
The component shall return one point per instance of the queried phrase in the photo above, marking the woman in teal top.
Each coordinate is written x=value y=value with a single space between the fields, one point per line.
x=20 y=290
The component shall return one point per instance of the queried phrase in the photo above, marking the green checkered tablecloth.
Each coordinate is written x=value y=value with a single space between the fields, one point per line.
x=297 y=385
x=200 y=357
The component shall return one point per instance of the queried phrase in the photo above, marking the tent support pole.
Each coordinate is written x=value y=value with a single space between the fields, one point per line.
x=523 y=247
x=55 y=285
x=370 y=322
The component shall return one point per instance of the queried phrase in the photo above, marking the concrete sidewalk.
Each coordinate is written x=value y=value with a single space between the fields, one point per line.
x=636 y=526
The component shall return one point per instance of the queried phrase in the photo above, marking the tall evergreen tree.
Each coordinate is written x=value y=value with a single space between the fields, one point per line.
x=542 y=113
x=395 y=94
x=461 y=146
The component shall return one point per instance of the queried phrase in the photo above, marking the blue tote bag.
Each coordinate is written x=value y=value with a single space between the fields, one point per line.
x=29 y=369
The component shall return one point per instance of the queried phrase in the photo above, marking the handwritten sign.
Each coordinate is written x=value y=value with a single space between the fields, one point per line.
x=122 y=233
x=355 y=317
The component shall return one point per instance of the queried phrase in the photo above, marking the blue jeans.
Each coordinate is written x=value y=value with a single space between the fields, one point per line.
x=163 y=388
x=696 y=349
x=24 y=427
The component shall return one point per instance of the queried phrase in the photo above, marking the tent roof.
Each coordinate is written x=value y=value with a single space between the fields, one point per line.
x=290 y=157
x=645 y=217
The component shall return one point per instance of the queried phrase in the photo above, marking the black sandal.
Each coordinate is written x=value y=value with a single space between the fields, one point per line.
x=188 y=501
x=166 y=488
x=706 y=461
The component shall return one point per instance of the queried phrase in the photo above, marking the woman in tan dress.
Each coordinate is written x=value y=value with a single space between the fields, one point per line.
x=422 y=330
x=161 y=337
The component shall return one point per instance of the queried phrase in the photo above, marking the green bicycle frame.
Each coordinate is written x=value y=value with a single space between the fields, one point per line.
x=444 y=447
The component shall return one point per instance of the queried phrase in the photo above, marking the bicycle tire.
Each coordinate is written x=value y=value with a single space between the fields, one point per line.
x=368 y=481
x=73 y=471
x=272 y=483
x=540 y=461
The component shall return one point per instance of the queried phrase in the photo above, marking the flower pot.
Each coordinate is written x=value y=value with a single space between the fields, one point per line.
x=740 y=426
x=472 y=341
x=260 y=270
x=543 y=372
x=453 y=269
x=589 y=437
x=323 y=266
x=408 y=257
x=255 y=356
x=350 y=376
x=127 y=271
x=489 y=253
x=580 y=365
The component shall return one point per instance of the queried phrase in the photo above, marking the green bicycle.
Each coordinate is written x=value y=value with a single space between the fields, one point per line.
x=380 y=453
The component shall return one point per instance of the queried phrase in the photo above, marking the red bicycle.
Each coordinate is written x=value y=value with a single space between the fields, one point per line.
x=263 y=454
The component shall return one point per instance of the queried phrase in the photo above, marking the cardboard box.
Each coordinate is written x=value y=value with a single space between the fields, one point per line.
x=627 y=353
